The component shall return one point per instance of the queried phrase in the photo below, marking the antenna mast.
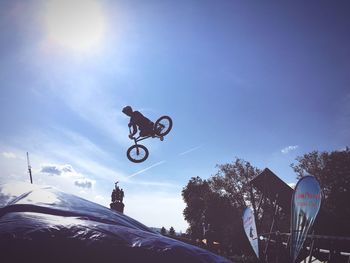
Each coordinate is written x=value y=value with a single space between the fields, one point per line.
x=29 y=169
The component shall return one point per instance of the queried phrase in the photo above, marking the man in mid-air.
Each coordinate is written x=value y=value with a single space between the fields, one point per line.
x=136 y=118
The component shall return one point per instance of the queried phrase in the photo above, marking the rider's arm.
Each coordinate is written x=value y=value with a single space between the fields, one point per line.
x=132 y=122
x=132 y=128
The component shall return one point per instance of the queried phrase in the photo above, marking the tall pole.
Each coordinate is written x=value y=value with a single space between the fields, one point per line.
x=29 y=169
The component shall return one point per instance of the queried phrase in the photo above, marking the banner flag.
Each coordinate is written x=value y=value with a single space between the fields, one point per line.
x=250 y=229
x=306 y=203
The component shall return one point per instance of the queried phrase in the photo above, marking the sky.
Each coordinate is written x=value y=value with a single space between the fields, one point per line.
x=262 y=81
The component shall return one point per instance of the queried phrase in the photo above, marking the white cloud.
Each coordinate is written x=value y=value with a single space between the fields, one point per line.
x=69 y=172
x=56 y=169
x=80 y=167
x=289 y=149
x=13 y=168
x=51 y=170
x=9 y=155
x=77 y=150
x=84 y=183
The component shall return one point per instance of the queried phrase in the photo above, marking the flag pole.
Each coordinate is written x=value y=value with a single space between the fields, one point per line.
x=29 y=169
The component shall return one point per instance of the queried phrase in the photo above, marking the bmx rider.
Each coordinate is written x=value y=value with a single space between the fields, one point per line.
x=136 y=118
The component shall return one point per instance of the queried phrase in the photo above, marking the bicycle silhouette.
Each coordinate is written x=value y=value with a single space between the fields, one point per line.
x=138 y=153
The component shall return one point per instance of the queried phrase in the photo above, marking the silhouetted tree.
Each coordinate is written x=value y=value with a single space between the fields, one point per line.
x=171 y=231
x=216 y=204
x=195 y=195
x=232 y=181
x=163 y=230
x=332 y=170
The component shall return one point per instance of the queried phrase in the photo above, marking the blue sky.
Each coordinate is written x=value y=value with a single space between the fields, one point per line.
x=263 y=81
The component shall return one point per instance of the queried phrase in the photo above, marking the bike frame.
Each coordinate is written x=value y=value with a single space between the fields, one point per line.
x=138 y=139
x=141 y=138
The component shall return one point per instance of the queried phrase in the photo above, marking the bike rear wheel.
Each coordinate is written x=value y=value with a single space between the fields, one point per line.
x=163 y=126
x=137 y=153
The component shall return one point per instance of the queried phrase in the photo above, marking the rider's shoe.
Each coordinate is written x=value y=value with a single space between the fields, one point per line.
x=131 y=137
x=161 y=138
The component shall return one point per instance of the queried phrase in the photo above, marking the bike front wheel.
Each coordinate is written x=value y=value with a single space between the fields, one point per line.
x=137 y=153
x=163 y=126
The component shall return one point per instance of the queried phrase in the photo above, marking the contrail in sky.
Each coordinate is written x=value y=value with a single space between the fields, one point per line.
x=144 y=170
x=190 y=150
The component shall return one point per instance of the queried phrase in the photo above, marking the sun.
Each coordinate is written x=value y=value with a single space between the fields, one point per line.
x=78 y=24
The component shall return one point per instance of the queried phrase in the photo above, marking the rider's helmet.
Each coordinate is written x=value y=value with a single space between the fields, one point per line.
x=127 y=110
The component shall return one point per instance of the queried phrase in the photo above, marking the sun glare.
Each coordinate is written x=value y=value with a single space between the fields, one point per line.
x=77 y=24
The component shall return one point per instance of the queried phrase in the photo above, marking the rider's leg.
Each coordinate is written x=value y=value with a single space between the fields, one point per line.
x=147 y=131
x=144 y=133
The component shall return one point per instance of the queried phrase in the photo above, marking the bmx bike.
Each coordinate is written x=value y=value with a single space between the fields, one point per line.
x=138 y=153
